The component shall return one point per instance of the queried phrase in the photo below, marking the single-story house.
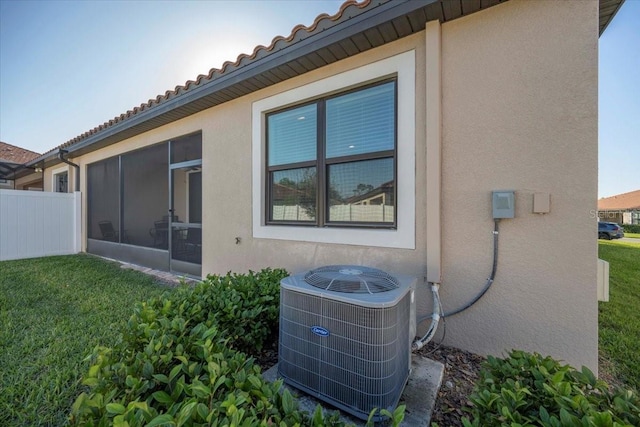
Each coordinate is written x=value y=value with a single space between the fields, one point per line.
x=12 y=161
x=622 y=208
x=441 y=101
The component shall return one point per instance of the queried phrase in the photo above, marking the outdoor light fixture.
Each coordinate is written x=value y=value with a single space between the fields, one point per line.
x=38 y=169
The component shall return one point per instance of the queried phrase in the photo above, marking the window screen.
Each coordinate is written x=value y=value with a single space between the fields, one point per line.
x=361 y=122
x=352 y=180
x=145 y=194
x=103 y=201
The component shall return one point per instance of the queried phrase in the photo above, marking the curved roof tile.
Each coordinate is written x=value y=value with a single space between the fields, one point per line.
x=300 y=31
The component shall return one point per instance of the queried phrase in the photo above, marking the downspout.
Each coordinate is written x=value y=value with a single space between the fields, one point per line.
x=61 y=154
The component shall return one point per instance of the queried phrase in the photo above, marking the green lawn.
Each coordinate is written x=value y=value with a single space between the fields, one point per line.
x=632 y=235
x=620 y=317
x=53 y=312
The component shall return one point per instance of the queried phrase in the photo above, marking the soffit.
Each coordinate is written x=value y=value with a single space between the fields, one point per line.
x=607 y=10
x=355 y=28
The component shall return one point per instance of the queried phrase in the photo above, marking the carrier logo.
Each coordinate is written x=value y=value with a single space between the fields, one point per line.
x=320 y=331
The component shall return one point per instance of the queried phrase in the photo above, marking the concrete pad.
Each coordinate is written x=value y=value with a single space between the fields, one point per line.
x=419 y=394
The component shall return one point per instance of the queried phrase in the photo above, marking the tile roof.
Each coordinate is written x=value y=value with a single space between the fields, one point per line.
x=13 y=154
x=623 y=201
x=145 y=116
x=297 y=32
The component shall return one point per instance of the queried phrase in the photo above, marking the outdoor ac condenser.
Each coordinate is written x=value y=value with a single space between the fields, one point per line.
x=345 y=336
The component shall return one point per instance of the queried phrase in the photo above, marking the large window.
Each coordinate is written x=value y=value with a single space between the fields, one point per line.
x=332 y=161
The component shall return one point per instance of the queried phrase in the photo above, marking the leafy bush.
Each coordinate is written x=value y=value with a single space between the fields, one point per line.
x=178 y=364
x=180 y=376
x=529 y=390
x=244 y=307
x=631 y=228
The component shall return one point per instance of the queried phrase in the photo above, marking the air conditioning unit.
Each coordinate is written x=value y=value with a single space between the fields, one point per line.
x=346 y=334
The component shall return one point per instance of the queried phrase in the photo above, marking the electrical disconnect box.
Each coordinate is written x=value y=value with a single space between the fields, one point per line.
x=503 y=203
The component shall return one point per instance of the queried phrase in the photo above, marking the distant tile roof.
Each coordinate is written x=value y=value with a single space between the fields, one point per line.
x=623 y=201
x=12 y=154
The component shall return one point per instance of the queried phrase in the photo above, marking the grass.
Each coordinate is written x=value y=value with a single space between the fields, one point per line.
x=632 y=235
x=53 y=312
x=619 y=320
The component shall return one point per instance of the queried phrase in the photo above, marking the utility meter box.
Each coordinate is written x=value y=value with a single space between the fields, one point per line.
x=503 y=203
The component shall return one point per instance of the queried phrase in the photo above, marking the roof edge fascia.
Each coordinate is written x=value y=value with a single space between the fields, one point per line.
x=613 y=15
x=368 y=18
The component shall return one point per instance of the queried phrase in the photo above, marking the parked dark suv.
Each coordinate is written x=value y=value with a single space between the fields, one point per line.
x=609 y=230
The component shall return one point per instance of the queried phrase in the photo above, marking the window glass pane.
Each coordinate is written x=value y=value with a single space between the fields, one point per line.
x=362 y=191
x=292 y=136
x=103 y=206
x=187 y=148
x=145 y=196
x=293 y=195
x=361 y=122
x=61 y=182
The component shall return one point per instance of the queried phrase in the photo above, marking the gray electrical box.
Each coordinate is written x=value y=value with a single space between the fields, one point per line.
x=503 y=203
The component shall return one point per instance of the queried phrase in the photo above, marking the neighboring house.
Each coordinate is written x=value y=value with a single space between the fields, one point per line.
x=622 y=209
x=444 y=101
x=12 y=160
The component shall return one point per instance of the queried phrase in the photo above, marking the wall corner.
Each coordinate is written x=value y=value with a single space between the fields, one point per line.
x=433 y=123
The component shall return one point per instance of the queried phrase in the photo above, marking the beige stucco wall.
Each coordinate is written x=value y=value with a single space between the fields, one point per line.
x=520 y=112
x=519 y=99
x=33 y=180
x=57 y=169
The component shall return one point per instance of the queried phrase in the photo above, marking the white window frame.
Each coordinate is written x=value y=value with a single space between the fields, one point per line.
x=403 y=67
x=54 y=179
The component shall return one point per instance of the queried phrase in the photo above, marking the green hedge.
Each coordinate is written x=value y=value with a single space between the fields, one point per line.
x=631 y=228
x=179 y=362
x=530 y=390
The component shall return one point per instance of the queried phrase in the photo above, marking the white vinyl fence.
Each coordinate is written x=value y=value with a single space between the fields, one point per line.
x=36 y=224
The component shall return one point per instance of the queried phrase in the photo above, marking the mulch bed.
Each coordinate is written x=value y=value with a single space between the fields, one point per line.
x=460 y=374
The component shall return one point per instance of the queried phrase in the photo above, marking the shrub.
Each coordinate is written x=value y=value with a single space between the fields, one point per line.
x=177 y=362
x=631 y=228
x=530 y=390
x=244 y=307
x=247 y=306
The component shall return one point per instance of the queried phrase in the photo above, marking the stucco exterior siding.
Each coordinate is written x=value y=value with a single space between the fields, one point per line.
x=230 y=157
x=520 y=112
x=518 y=99
x=25 y=182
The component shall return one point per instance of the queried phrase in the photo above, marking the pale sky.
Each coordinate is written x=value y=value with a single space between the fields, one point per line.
x=69 y=66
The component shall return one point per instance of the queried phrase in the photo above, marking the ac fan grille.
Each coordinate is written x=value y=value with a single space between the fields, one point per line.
x=351 y=279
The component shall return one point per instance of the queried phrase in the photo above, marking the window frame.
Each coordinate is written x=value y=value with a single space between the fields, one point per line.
x=55 y=176
x=402 y=68
x=322 y=163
